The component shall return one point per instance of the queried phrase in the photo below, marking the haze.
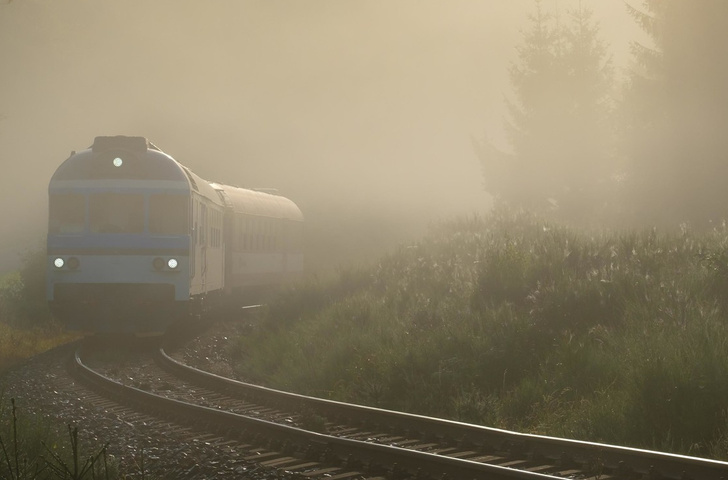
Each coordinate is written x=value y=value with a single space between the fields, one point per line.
x=356 y=109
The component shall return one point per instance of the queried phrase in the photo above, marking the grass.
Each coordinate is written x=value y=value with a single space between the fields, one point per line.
x=31 y=450
x=513 y=322
x=26 y=325
x=19 y=344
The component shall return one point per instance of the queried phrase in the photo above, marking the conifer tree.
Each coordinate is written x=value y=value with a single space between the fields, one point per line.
x=675 y=113
x=557 y=125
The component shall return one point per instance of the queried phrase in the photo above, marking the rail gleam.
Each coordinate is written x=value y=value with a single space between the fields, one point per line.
x=502 y=454
x=346 y=450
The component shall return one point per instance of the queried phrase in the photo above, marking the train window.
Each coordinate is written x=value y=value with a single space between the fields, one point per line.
x=116 y=213
x=203 y=223
x=67 y=213
x=266 y=235
x=215 y=236
x=261 y=235
x=266 y=238
x=168 y=214
x=218 y=237
x=251 y=234
x=219 y=229
x=241 y=233
x=211 y=228
x=214 y=230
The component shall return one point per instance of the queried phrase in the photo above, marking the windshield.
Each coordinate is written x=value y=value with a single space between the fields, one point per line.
x=67 y=213
x=168 y=214
x=116 y=213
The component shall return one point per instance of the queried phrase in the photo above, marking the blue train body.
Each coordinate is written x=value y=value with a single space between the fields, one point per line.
x=136 y=240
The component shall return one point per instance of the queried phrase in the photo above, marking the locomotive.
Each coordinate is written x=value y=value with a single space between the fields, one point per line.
x=136 y=240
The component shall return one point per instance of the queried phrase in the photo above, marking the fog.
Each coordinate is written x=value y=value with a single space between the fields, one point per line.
x=357 y=110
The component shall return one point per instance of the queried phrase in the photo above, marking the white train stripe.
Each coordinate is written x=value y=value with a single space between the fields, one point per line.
x=105 y=185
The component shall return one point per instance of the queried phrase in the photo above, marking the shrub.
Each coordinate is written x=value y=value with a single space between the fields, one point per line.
x=508 y=320
x=22 y=294
x=31 y=449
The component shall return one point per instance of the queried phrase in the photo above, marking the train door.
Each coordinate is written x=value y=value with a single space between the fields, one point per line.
x=199 y=242
x=193 y=238
x=203 y=246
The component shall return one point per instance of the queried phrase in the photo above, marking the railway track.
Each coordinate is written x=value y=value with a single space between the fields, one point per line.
x=325 y=438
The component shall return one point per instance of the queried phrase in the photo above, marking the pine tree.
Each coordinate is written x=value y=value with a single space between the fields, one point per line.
x=675 y=111
x=557 y=120
x=587 y=128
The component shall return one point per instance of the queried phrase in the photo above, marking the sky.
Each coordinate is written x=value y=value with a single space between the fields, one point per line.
x=360 y=108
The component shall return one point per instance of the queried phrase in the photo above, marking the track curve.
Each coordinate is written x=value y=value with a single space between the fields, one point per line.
x=532 y=456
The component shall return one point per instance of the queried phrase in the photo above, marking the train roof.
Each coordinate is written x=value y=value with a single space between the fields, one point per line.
x=116 y=158
x=128 y=158
x=252 y=202
x=136 y=158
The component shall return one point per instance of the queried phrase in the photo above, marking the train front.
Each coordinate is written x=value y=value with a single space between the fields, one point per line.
x=119 y=238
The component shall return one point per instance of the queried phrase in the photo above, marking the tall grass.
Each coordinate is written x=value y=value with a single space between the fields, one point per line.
x=26 y=325
x=18 y=344
x=517 y=323
x=31 y=450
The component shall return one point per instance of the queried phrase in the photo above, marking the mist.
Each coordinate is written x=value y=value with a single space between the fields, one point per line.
x=361 y=112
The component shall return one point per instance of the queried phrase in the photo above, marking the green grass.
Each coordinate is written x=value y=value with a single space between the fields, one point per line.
x=513 y=322
x=19 y=344
x=26 y=325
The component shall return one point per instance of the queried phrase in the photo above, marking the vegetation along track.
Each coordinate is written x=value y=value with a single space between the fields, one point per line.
x=381 y=442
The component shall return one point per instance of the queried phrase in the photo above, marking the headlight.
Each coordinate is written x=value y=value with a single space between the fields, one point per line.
x=58 y=262
x=172 y=263
x=73 y=263
x=118 y=162
x=158 y=263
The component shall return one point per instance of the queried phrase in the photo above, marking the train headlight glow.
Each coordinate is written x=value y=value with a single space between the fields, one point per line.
x=58 y=262
x=172 y=263
x=118 y=162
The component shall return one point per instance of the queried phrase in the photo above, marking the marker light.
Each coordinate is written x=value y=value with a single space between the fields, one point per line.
x=158 y=263
x=118 y=162
x=172 y=263
x=73 y=263
x=58 y=262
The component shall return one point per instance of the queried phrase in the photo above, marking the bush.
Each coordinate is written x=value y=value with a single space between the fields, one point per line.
x=11 y=297
x=521 y=324
x=22 y=293
x=17 y=344
x=31 y=449
x=26 y=325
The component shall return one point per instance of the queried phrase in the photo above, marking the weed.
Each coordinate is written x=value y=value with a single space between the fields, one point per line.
x=313 y=421
x=77 y=471
x=513 y=322
x=18 y=344
x=33 y=451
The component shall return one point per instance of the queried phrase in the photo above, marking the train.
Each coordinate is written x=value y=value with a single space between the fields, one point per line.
x=136 y=240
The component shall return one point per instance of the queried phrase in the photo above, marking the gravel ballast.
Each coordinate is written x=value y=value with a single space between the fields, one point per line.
x=42 y=388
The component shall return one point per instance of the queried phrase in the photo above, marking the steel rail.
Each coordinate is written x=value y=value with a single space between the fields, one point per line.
x=620 y=462
x=369 y=453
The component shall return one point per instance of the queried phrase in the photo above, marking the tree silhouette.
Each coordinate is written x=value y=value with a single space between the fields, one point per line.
x=675 y=112
x=557 y=127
